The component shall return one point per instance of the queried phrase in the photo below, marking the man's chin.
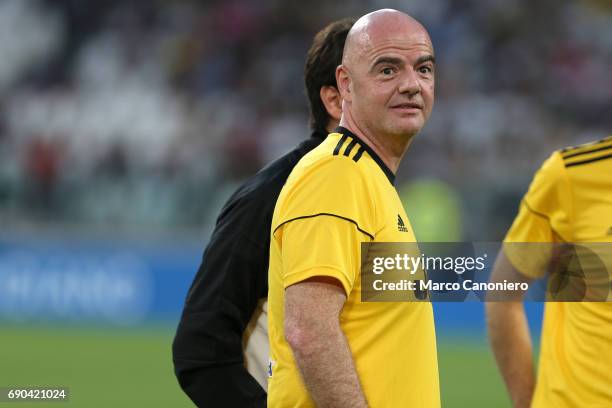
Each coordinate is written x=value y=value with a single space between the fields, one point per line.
x=409 y=124
x=408 y=130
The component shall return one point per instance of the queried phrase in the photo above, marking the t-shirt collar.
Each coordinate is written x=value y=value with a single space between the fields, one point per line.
x=371 y=152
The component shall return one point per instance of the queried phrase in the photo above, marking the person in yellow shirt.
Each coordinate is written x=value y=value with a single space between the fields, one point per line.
x=569 y=202
x=328 y=348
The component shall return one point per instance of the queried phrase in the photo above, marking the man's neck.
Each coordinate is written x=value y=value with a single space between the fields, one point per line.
x=331 y=125
x=390 y=149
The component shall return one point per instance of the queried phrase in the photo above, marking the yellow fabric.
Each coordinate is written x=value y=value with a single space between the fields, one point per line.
x=571 y=203
x=329 y=205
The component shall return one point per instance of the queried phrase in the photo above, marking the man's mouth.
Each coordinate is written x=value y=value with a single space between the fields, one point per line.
x=407 y=106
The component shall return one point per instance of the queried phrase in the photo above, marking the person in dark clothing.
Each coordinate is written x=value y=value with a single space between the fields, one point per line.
x=224 y=317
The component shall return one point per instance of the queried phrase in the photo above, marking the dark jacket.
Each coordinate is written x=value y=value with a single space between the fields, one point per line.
x=233 y=276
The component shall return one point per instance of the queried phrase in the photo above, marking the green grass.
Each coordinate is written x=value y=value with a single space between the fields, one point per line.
x=468 y=374
x=101 y=368
x=133 y=368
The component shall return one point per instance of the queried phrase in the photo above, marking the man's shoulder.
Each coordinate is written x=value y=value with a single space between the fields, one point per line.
x=262 y=189
x=569 y=176
x=578 y=165
x=588 y=155
x=327 y=182
x=337 y=160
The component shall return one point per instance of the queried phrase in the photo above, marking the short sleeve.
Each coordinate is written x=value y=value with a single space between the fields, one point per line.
x=322 y=216
x=544 y=217
x=333 y=186
x=323 y=245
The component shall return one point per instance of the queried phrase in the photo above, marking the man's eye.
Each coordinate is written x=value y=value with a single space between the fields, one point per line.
x=425 y=70
x=387 y=71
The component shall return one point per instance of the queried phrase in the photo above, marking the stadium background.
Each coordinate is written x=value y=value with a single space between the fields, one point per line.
x=124 y=125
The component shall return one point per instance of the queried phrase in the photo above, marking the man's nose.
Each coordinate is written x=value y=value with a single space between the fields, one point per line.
x=410 y=83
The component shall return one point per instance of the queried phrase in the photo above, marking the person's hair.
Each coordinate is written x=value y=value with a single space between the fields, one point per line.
x=324 y=55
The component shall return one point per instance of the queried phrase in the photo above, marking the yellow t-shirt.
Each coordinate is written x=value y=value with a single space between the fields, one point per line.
x=339 y=195
x=570 y=200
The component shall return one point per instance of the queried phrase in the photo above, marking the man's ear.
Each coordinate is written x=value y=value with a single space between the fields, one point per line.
x=330 y=96
x=343 y=80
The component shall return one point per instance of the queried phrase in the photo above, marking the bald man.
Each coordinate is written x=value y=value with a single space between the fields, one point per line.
x=328 y=348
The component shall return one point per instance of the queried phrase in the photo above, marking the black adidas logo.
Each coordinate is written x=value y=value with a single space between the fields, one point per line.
x=400 y=224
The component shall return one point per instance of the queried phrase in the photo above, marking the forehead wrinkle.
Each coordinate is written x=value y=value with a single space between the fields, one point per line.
x=397 y=50
x=399 y=45
x=402 y=37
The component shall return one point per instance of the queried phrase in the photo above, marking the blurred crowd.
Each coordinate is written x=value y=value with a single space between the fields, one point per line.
x=148 y=114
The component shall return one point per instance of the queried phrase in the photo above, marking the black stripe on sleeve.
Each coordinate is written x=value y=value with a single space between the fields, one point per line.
x=599 y=149
x=390 y=175
x=326 y=214
x=539 y=214
x=542 y=215
x=359 y=154
x=350 y=146
x=607 y=156
x=339 y=145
